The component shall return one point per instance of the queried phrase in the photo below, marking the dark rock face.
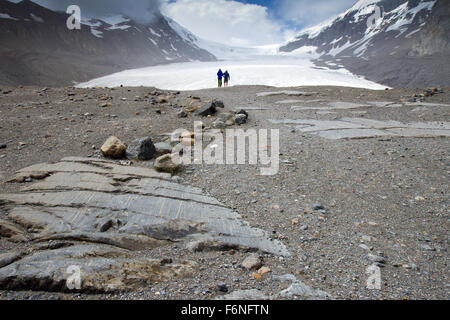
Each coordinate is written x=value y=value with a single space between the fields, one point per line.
x=207 y=110
x=142 y=149
x=240 y=119
x=94 y=215
x=245 y=113
x=49 y=54
x=218 y=104
x=408 y=47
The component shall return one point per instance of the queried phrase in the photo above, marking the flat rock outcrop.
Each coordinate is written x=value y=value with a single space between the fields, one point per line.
x=95 y=216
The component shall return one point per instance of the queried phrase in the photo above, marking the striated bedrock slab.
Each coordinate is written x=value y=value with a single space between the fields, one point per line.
x=358 y=128
x=286 y=93
x=88 y=268
x=99 y=212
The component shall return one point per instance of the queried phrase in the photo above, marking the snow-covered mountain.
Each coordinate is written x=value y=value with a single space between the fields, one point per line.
x=395 y=42
x=38 y=48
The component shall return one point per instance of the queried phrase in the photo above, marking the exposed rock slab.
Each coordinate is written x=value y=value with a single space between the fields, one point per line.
x=300 y=289
x=101 y=211
x=358 y=128
x=101 y=269
x=285 y=92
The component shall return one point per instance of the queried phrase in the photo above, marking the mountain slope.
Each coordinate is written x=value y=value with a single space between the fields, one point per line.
x=38 y=49
x=394 y=42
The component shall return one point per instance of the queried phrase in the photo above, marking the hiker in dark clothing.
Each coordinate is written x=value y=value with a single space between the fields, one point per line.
x=220 y=76
x=226 y=78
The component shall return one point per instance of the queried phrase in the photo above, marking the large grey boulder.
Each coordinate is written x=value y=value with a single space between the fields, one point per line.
x=141 y=149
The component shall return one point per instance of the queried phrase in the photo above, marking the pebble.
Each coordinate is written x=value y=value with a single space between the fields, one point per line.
x=317 y=207
x=375 y=258
x=426 y=247
x=222 y=287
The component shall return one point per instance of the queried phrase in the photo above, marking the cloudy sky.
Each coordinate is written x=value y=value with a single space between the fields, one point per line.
x=234 y=22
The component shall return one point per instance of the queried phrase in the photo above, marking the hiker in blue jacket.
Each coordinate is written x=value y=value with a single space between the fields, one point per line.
x=220 y=76
x=226 y=78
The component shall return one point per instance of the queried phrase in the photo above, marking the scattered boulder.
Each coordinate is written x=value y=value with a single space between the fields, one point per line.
x=242 y=111
x=252 y=262
x=218 y=104
x=162 y=148
x=142 y=149
x=114 y=148
x=207 y=110
x=240 y=119
x=165 y=164
x=182 y=114
x=227 y=118
x=218 y=124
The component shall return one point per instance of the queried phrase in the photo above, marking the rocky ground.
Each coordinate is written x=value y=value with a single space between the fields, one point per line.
x=347 y=195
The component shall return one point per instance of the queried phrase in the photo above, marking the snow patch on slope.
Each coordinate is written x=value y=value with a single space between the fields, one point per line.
x=7 y=16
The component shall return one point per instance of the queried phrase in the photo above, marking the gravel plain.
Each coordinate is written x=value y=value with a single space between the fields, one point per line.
x=335 y=204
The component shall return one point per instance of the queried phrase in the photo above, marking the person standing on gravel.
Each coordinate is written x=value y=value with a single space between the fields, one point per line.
x=226 y=78
x=220 y=76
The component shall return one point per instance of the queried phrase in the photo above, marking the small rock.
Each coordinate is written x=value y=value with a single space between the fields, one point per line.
x=262 y=271
x=240 y=119
x=162 y=148
x=207 y=110
x=142 y=149
x=242 y=111
x=218 y=124
x=257 y=276
x=317 y=207
x=375 y=258
x=426 y=247
x=182 y=114
x=114 y=148
x=222 y=287
x=218 y=104
x=363 y=246
x=252 y=262
x=165 y=164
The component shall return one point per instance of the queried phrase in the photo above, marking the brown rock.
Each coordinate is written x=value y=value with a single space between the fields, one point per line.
x=114 y=148
x=252 y=262
x=262 y=271
x=165 y=164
